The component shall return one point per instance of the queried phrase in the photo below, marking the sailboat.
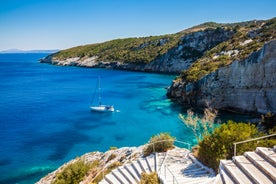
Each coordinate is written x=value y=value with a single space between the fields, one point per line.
x=101 y=107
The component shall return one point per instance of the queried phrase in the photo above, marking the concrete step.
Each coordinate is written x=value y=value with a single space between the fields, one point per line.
x=121 y=178
x=198 y=171
x=268 y=153
x=196 y=180
x=160 y=158
x=136 y=166
x=199 y=181
x=151 y=162
x=234 y=172
x=103 y=182
x=110 y=178
x=226 y=179
x=127 y=175
x=132 y=172
x=251 y=170
x=262 y=164
x=143 y=164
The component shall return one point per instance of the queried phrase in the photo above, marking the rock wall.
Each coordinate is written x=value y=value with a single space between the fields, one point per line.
x=189 y=48
x=244 y=86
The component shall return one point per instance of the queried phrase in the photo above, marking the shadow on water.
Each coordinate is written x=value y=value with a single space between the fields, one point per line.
x=59 y=142
x=85 y=125
x=27 y=176
x=119 y=137
x=93 y=120
x=5 y=162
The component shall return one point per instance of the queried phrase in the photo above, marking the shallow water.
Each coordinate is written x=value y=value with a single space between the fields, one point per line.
x=45 y=118
x=46 y=121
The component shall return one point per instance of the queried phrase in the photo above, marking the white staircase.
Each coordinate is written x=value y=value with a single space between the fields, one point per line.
x=183 y=168
x=252 y=167
x=175 y=166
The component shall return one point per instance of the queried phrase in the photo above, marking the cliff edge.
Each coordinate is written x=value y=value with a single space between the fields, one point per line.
x=245 y=86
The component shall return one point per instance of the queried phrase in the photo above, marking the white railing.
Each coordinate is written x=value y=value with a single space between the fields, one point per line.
x=164 y=175
x=240 y=142
x=166 y=170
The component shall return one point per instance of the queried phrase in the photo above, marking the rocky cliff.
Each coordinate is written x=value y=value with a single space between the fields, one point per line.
x=96 y=162
x=228 y=66
x=179 y=56
x=245 y=86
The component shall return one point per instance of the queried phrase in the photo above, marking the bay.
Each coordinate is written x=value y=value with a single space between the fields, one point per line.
x=45 y=118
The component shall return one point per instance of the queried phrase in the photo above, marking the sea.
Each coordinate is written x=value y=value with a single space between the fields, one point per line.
x=45 y=118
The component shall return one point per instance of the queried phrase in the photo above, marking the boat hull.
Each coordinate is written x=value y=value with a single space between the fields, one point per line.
x=102 y=108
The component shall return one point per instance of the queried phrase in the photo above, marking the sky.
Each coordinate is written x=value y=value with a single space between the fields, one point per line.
x=61 y=24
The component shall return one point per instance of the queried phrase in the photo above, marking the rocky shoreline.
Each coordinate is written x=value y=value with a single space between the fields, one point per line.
x=232 y=67
x=243 y=86
x=104 y=160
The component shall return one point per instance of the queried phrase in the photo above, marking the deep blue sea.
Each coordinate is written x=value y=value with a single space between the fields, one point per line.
x=45 y=118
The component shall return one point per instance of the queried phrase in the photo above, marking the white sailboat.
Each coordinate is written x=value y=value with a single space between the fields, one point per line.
x=101 y=107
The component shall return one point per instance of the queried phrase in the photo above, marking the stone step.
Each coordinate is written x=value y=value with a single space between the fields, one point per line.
x=236 y=174
x=132 y=172
x=143 y=164
x=262 y=164
x=198 y=180
x=160 y=159
x=251 y=170
x=216 y=180
x=110 y=178
x=103 y=182
x=121 y=178
x=188 y=180
x=127 y=175
x=226 y=179
x=268 y=153
x=137 y=168
x=199 y=171
x=151 y=162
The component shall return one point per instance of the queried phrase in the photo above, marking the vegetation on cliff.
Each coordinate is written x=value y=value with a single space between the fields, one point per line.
x=219 y=145
x=74 y=172
x=136 y=50
x=247 y=39
x=159 y=143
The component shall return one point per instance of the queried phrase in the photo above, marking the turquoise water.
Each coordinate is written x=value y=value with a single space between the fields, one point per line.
x=45 y=118
x=46 y=121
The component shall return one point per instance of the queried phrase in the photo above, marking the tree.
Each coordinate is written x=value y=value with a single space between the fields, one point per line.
x=200 y=126
x=219 y=144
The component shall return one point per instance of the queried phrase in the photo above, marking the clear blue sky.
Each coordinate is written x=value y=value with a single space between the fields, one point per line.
x=60 y=24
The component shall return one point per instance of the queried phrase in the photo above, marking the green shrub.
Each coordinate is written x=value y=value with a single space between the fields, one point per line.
x=112 y=166
x=111 y=157
x=268 y=120
x=159 y=143
x=72 y=173
x=219 y=145
x=151 y=178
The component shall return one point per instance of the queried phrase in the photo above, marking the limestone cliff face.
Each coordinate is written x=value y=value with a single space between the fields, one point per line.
x=189 y=48
x=247 y=86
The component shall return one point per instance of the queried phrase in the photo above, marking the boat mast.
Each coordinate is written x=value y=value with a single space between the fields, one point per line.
x=100 y=98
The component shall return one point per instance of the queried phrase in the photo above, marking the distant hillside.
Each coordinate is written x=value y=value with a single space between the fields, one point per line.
x=205 y=56
x=174 y=53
